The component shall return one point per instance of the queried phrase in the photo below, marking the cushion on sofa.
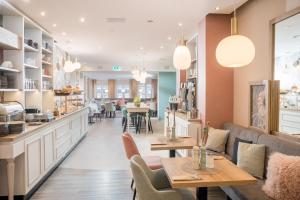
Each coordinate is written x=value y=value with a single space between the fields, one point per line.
x=240 y=132
x=236 y=146
x=250 y=157
x=283 y=177
x=246 y=192
x=217 y=139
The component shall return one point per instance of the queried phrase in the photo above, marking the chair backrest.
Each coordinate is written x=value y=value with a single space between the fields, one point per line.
x=129 y=145
x=143 y=184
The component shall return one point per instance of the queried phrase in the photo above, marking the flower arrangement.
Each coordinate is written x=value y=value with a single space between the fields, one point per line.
x=137 y=101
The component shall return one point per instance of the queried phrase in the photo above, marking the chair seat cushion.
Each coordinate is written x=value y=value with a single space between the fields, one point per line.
x=247 y=192
x=154 y=162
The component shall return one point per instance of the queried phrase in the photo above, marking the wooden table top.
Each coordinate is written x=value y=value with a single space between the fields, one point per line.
x=180 y=143
x=225 y=173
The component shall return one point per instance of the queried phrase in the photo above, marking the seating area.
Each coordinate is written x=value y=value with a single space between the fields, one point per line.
x=150 y=100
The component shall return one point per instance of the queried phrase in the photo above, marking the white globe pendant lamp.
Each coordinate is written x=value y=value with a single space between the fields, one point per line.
x=68 y=67
x=235 y=50
x=182 y=56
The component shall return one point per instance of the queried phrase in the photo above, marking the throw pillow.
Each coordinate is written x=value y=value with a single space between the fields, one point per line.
x=235 y=148
x=251 y=158
x=216 y=140
x=283 y=177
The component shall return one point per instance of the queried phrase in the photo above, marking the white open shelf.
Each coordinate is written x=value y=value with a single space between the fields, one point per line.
x=46 y=63
x=30 y=66
x=46 y=76
x=29 y=48
x=9 y=40
x=9 y=90
x=7 y=69
x=47 y=51
x=30 y=90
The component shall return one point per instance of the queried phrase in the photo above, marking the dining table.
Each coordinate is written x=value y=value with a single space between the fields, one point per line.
x=143 y=108
x=181 y=142
x=181 y=174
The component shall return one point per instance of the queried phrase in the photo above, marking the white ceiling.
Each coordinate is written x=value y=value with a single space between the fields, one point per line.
x=99 y=43
x=287 y=36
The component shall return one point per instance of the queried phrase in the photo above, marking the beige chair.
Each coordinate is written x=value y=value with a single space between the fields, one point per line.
x=148 y=183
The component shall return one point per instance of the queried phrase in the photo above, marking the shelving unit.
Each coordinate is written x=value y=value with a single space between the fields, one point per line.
x=25 y=80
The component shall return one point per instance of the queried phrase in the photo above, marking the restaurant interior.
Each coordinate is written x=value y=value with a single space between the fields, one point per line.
x=150 y=100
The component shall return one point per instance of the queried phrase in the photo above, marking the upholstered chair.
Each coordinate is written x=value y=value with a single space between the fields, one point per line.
x=147 y=191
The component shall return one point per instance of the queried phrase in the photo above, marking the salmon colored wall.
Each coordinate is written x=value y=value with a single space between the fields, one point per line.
x=182 y=76
x=217 y=105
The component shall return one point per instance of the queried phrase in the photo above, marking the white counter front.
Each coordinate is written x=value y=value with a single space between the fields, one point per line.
x=184 y=127
x=28 y=157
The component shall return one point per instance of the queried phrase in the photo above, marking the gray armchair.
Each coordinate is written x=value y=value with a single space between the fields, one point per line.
x=147 y=191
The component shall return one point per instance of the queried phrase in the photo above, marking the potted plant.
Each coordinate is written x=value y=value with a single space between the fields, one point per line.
x=137 y=101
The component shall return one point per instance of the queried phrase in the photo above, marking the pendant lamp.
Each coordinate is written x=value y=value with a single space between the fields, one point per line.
x=68 y=67
x=235 y=50
x=182 y=56
x=76 y=64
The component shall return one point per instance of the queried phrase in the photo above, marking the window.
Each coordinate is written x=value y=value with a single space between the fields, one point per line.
x=102 y=89
x=145 y=89
x=123 y=89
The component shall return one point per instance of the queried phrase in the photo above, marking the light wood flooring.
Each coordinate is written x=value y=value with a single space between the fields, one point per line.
x=98 y=168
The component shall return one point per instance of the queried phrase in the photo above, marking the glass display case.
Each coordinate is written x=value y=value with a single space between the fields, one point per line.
x=68 y=103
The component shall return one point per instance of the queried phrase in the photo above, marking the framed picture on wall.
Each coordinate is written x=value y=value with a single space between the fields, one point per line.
x=264 y=96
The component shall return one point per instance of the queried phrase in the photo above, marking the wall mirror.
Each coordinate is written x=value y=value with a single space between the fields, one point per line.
x=286 y=69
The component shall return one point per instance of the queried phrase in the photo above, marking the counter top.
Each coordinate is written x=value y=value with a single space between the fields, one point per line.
x=184 y=117
x=30 y=129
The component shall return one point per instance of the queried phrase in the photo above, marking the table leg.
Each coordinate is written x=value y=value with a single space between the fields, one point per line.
x=10 y=167
x=147 y=121
x=201 y=193
x=128 y=122
x=172 y=153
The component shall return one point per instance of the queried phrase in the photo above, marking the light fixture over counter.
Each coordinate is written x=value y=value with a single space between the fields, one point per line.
x=182 y=56
x=235 y=50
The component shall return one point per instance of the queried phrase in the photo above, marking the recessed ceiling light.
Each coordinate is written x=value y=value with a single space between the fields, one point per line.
x=161 y=47
x=82 y=19
x=180 y=24
x=141 y=48
x=169 y=38
x=218 y=8
x=54 y=25
x=150 y=21
x=64 y=33
x=43 y=13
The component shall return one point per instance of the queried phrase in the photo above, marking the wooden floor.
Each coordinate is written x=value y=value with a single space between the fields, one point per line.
x=82 y=184
x=98 y=168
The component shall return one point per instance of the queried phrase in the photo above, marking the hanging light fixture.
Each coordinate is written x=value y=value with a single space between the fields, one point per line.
x=76 y=64
x=182 y=56
x=68 y=67
x=235 y=50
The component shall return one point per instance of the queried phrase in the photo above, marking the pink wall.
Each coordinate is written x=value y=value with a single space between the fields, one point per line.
x=215 y=81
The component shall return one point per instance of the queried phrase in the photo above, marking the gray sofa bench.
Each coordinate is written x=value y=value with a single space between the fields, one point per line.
x=273 y=144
